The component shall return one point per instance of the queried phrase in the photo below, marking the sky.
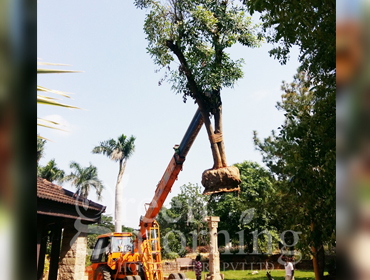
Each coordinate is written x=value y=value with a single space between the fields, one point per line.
x=118 y=92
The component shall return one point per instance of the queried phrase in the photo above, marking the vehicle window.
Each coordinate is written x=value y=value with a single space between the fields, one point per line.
x=121 y=244
x=101 y=247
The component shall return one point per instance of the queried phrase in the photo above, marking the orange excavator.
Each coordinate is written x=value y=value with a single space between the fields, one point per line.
x=118 y=255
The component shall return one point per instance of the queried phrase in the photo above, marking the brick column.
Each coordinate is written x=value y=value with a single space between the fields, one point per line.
x=73 y=254
x=214 y=255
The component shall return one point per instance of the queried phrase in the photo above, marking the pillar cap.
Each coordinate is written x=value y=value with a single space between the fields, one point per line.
x=211 y=219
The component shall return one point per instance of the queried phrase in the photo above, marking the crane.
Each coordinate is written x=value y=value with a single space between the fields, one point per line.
x=117 y=255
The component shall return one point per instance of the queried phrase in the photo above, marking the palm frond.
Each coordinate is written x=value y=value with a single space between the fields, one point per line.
x=62 y=93
x=51 y=101
x=49 y=63
x=117 y=155
x=55 y=71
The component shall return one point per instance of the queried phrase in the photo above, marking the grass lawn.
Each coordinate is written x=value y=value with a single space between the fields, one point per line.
x=246 y=274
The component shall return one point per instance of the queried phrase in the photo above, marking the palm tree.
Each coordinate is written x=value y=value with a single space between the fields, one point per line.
x=40 y=148
x=120 y=152
x=50 y=172
x=83 y=179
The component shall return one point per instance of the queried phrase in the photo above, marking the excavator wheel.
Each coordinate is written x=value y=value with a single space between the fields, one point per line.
x=102 y=273
x=182 y=275
x=141 y=272
x=174 y=276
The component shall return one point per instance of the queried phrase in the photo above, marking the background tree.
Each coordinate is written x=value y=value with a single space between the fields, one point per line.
x=196 y=33
x=309 y=24
x=248 y=211
x=50 y=172
x=40 y=149
x=186 y=215
x=302 y=156
x=83 y=178
x=119 y=151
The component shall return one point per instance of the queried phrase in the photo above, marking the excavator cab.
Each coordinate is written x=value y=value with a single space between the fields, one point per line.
x=114 y=257
x=122 y=244
x=111 y=243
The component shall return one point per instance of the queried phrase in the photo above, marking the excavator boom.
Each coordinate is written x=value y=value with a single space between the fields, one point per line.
x=170 y=175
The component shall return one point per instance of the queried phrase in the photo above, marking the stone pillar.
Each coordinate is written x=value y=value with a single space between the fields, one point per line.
x=73 y=254
x=214 y=255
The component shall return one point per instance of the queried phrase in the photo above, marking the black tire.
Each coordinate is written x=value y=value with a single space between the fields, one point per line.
x=174 y=276
x=182 y=275
x=104 y=271
x=141 y=271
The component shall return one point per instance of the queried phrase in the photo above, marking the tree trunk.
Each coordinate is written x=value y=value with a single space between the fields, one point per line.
x=217 y=159
x=118 y=199
x=319 y=274
x=218 y=129
x=197 y=95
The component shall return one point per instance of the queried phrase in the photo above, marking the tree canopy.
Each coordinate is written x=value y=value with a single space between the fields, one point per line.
x=40 y=148
x=197 y=33
x=310 y=24
x=302 y=156
x=50 y=171
x=83 y=178
x=249 y=210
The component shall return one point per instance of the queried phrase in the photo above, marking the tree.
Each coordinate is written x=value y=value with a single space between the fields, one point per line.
x=183 y=220
x=119 y=151
x=249 y=211
x=310 y=24
x=302 y=156
x=197 y=33
x=83 y=179
x=50 y=172
x=40 y=149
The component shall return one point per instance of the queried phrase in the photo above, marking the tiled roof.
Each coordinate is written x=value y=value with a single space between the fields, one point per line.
x=50 y=191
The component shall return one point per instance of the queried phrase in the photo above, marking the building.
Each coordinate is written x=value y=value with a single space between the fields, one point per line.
x=62 y=219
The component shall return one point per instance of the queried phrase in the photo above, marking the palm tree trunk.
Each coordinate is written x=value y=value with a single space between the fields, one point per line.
x=118 y=198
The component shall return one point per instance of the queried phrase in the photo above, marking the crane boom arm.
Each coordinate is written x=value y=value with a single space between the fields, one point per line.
x=173 y=169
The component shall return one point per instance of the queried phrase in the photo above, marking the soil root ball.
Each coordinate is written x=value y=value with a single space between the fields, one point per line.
x=225 y=179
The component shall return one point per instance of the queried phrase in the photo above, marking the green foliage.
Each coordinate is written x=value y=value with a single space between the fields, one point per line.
x=40 y=149
x=186 y=215
x=302 y=156
x=83 y=178
x=88 y=261
x=310 y=24
x=118 y=150
x=197 y=33
x=50 y=172
x=248 y=210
